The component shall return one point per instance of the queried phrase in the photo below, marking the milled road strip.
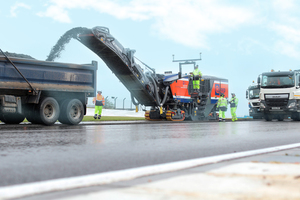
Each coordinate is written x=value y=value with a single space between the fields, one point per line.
x=245 y=180
x=22 y=190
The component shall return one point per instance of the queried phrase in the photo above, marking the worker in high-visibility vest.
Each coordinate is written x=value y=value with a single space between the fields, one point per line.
x=233 y=105
x=196 y=75
x=99 y=102
x=222 y=106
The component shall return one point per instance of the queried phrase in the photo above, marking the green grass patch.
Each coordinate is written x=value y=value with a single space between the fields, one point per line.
x=112 y=118
x=108 y=118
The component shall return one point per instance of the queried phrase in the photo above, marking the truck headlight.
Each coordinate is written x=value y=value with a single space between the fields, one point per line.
x=262 y=105
x=293 y=104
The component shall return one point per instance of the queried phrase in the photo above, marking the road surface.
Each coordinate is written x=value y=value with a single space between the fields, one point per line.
x=31 y=153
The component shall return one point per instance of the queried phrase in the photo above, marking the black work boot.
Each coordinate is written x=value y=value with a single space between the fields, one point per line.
x=99 y=116
x=95 y=116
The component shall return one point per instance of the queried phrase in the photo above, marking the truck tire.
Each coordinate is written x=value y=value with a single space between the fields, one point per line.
x=12 y=118
x=268 y=117
x=30 y=114
x=257 y=116
x=296 y=116
x=72 y=112
x=47 y=111
x=280 y=117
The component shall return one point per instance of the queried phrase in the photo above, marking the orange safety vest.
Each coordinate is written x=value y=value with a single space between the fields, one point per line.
x=99 y=98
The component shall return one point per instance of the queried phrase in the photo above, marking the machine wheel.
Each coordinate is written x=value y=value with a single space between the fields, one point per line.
x=47 y=111
x=12 y=118
x=268 y=117
x=72 y=112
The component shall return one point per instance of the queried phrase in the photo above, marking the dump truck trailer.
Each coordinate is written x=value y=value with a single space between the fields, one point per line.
x=44 y=92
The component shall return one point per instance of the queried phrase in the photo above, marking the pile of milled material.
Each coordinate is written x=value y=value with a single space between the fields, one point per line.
x=17 y=55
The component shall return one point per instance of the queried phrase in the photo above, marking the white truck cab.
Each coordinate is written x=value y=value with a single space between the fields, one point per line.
x=280 y=95
x=252 y=95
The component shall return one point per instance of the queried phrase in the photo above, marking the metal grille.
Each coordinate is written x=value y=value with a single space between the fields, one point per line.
x=277 y=102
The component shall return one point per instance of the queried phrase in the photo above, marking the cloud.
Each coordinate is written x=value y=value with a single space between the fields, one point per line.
x=287 y=26
x=57 y=13
x=13 y=9
x=184 y=21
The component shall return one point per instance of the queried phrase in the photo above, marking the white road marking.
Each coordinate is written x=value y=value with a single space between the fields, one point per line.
x=22 y=190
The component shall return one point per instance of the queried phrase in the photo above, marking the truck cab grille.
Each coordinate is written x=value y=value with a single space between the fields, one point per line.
x=277 y=100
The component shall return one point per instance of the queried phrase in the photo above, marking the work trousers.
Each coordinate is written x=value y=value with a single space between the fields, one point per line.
x=196 y=84
x=233 y=114
x=221 y=114
x=98 y=110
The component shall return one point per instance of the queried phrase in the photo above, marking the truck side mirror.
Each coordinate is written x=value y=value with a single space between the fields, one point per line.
x=258 y=80
x=247 y=94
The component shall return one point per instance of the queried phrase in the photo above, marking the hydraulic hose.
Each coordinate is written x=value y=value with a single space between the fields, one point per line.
x=155 y=93
x=165 y=97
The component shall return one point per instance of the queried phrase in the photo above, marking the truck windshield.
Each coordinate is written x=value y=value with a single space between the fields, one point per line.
x=279 y=81
x=254 y=93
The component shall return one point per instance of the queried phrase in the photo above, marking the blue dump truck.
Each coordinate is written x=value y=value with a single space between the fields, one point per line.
x=44 y=92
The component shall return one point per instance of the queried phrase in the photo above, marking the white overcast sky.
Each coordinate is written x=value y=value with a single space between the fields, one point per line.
x=238 y=39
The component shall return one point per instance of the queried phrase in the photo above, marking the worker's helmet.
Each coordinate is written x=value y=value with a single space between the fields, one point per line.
x=222 y=95
x=196 y=66
x=99 y=92
x=232 y=93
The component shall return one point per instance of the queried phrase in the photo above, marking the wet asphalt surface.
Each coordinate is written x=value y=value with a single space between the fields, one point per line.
x=30 y=153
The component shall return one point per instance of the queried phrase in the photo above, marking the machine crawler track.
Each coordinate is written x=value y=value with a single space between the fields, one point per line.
x=147 y=116
x=172 y=116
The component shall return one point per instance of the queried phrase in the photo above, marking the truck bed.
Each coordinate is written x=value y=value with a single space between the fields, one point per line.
x=46 y=76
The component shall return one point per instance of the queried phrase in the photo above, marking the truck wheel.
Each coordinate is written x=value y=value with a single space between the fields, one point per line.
x=30 y=114
x=296 y=116
x=268 y=117
x=280 y=118
x=72 y=112
x=256 y=117
x=12 y=118
x=47 y=111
